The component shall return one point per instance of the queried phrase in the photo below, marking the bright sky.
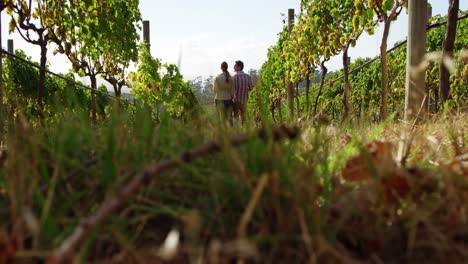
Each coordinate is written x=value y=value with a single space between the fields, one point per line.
x=204 y=33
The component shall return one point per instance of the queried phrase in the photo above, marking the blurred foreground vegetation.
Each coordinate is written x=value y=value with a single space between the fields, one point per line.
x=364 y=193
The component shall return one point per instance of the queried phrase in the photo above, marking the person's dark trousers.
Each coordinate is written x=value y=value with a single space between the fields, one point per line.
x=240 y=110
x=225 y=110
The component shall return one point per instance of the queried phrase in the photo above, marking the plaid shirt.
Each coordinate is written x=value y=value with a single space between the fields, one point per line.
x=242 y=86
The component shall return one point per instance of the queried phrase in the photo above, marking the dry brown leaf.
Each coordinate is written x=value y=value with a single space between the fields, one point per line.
x=380 y=149
x=345 y=140
x=457 y=167
x=394 y=186
x=357 y=169
x=419 y=156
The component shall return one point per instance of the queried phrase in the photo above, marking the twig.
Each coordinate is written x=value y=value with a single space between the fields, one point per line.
x=376 y=259
x=407 y=152
x=402 y=158
x=404 y=122
x=419 y=112
x=333 y=253
x=306 y=236
x=115 y=204
x=247 y=215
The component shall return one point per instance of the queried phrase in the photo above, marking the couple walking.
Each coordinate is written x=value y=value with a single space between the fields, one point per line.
x=232 y=92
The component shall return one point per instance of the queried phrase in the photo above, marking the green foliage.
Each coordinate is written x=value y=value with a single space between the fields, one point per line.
x=122 y=43
x=161 y=86
x=367 y=81
x=270 y=89
x=61 y=168
x=101 y=39
x=103 y=100
x=60 y=171
x=458 y=80
x=326 y=28
x=20 y=84
x=386 y=12
x=24 y=76
x=323 y=29
x=102 y=32
x=39 y=23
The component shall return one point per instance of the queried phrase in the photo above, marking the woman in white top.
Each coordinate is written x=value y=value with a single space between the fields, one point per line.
x=224 y=93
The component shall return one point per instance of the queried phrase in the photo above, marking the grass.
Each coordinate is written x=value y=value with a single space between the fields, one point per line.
x=263 y=201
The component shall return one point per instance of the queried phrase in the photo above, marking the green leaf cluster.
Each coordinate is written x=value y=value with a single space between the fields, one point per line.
x=161 y=86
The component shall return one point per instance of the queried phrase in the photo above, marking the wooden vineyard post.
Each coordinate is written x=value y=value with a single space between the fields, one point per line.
x=146 y=34
x=416 y=96
x=11 y=46
x=290 y=86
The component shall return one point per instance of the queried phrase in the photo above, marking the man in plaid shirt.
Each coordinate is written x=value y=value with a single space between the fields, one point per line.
x=242 y=86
